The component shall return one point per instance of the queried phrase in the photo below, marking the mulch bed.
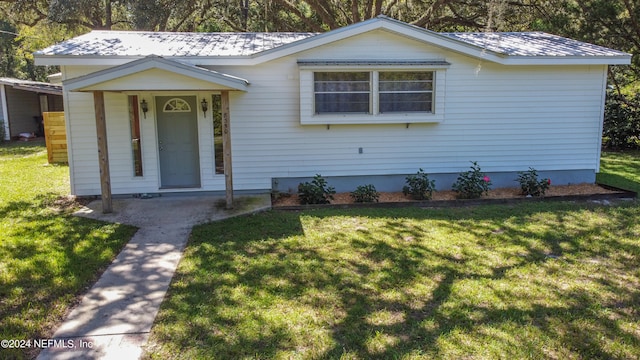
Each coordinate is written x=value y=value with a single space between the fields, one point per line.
x=569 y=192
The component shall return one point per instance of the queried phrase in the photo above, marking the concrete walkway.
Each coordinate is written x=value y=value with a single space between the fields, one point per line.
x=114 y=318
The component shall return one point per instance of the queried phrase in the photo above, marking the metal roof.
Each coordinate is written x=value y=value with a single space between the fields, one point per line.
x=531 y=44
x=171 y=44
x=33 y=86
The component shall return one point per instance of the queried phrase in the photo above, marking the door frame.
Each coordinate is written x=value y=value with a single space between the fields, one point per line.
x=151 y=99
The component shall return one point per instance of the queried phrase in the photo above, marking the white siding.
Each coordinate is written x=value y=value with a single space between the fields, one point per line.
x=507 y=118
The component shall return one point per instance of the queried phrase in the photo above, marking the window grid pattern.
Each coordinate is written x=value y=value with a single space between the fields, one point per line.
x=405 y=91
x=176 y=105
x=342 y=92
x=394 y=91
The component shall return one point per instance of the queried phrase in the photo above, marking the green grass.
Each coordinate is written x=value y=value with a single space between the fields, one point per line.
x=47 y=257
x=532 y=280
x=620 y=169
x=527 y=281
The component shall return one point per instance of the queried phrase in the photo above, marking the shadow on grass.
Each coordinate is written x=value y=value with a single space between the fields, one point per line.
x=534 y=280
x=21 y=148
x=47 y=259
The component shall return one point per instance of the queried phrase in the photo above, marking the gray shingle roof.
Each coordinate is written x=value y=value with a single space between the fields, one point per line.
x=140 y=43
x=531 y=44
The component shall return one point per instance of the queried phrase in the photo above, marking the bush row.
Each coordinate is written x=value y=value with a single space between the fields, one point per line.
x=471 y=184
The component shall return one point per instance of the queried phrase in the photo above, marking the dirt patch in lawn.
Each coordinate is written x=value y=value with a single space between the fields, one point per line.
x=68 y=203
x=501 y=193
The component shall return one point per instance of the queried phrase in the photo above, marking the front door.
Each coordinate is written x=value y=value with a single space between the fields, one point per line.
x=178 y=141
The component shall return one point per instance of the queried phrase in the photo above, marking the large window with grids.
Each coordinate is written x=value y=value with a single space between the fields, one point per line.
x=373 y=92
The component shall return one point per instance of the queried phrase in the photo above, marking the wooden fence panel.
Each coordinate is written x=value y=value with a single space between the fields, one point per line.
x=55 y=136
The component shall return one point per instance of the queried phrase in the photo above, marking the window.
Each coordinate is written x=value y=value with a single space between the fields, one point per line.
x=351 y=92
x=136 y=146
x=405 y=91
x=218 y=155
x=176 y=105
x=342 y=92
x=372 y=92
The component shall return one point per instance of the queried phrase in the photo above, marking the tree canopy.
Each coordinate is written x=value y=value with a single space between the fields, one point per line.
x=29 y=25
x=38 y=23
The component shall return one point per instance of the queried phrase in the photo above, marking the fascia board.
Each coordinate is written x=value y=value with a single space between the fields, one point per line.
x=567 y=60
x=82 y=83
x=38 y=90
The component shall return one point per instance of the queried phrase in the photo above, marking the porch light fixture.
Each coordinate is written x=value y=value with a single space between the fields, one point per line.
x=204 y=106
x=145 y=107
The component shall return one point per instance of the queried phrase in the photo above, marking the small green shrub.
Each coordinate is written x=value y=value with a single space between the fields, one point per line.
x=530 y=184
x=315 y=192
x=472 y=184
x=2 y=131
x=365 y=194
x=419 y=186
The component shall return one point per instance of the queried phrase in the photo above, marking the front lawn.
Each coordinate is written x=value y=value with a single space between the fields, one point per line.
x=620 y=169
x=534 y=280
x=47 y=257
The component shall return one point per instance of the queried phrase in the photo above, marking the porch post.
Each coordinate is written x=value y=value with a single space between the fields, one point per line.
x=226 y=148
x=103 y=152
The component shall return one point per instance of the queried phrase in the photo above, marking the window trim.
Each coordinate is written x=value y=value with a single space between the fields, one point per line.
x=307 y=95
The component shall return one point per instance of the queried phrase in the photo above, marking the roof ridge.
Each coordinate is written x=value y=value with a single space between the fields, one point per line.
x=196 y=32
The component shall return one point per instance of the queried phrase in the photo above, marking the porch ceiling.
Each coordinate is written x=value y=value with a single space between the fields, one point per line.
x=157 y=74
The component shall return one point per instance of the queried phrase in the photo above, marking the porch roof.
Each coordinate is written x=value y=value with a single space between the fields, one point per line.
x=155 y=73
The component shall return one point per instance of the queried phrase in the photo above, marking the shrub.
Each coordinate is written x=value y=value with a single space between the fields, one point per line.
x=315 y=192
x=530 y=184
x=419 y=186
x=1 y=131
x=472 y=184
x=621 y=129
x=365 y=194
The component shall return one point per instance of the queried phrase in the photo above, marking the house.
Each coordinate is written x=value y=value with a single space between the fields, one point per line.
x=151 y=112
x=22 y=103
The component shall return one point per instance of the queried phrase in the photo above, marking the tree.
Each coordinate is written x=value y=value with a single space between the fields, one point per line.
x=88 y=13
x=8 y=60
